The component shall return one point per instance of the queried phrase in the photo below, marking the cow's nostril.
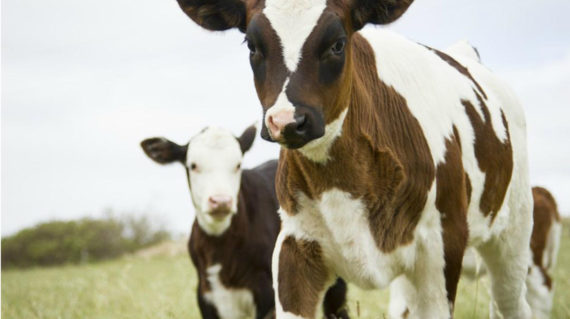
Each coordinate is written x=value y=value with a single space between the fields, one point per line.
x=301 y=122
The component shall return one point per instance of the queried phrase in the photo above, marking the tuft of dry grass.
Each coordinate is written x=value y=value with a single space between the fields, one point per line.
x=162 y=285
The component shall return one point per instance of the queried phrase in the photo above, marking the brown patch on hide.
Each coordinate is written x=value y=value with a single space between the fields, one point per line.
x=451 y=201
x=468 y=188
x=302 y=276
x=545 y=214
x=495 y=158
x=463 y=70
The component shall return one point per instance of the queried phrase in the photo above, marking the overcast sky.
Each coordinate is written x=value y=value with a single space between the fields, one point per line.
x=83 y=82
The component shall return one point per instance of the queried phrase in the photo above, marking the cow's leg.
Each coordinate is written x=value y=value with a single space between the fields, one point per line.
x=207 y=310
x=507 y=258
x=421 y=292
x=264 y=298
x=539 y=292
x=539 y=283
x=300 y=277
x=335 y=301
x=507 y=262
x=401 y=294
x=426 y=295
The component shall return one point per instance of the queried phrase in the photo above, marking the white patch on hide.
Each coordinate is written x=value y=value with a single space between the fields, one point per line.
x=230 y=303
x=318 y=150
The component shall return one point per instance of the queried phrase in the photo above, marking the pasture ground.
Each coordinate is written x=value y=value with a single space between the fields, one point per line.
x=163 y=286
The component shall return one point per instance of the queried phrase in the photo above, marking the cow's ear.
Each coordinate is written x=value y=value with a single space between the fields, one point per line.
x=246 y=138
x=216 y=15
x=377 y=11
x=164 y=151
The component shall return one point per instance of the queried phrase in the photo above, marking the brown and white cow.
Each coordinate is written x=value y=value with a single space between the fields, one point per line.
x=394 y=158
x=236 y=224
x=544 y=244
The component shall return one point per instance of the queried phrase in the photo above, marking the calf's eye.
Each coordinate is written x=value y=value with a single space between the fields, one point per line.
x=251 y=47
x=338 y=47
x=193 y=166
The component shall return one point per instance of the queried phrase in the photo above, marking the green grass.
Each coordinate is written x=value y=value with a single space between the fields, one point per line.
x=164 y=287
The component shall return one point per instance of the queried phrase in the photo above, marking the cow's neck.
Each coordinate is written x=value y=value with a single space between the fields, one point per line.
x=360 y=119
x=381 y=141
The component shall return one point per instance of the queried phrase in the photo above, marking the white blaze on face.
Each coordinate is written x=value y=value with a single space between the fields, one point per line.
x=293 y=21
x=216 y=154
x=282 y=105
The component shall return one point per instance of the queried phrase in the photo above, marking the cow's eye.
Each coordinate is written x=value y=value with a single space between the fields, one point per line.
x=238 y=167
x=251 y=47
x=194 y=167
x=338 y=47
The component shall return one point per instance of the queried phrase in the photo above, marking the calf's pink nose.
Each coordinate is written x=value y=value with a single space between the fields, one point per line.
x=277 y=122
x=217 y=201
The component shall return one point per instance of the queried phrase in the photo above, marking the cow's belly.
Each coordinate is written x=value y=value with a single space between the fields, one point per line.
x=339 y=223
x=230 y=303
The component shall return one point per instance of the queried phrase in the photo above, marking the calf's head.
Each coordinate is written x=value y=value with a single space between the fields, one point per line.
x=301 y=57
x=212 y=160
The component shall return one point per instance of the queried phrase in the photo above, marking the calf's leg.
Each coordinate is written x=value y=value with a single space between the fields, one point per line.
x=507 y=259
x=335 y=301
x=207 y=310
x=427 y=289
x=426 y=294
x=401 y=290
x=300 y=277
x=264 y=299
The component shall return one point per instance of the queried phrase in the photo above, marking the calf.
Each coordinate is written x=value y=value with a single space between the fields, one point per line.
x=236 y=224
x=395 y=156
x=544 y=244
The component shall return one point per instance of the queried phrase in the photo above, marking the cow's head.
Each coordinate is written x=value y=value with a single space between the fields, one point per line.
x=212 y=160
x=301 y=57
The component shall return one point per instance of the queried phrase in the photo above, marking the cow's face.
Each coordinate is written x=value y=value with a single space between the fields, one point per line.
x=213 y=167
x=298 y=56
x=301 y=57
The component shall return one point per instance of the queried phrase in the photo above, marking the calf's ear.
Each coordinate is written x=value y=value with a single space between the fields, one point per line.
x=164 y=151
x=216 y=15
x=246 y=138
x=377 y=11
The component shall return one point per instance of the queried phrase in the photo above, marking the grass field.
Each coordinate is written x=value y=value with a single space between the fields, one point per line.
x=164 y=287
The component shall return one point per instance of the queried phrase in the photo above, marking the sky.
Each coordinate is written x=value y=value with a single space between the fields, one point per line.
x=83 y=82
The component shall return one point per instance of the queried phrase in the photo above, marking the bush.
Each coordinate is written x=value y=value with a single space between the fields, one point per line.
x=84 y=240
